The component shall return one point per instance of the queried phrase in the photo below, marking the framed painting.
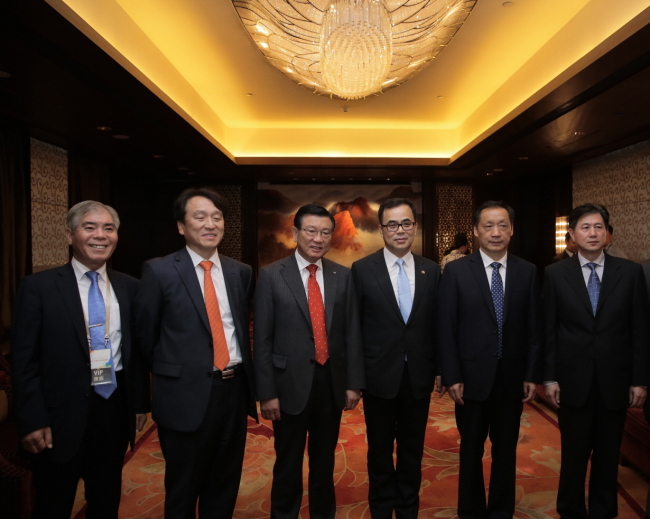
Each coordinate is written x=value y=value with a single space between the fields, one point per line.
x=354 y=207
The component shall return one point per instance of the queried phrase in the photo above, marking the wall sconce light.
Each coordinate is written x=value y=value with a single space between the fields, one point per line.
x=561 y=228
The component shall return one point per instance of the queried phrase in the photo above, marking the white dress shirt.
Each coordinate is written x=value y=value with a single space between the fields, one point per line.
x=222 y=297
x=487 y=263
x=393 y=270
x=115 y=325
x=586 y=271
x=304 y=274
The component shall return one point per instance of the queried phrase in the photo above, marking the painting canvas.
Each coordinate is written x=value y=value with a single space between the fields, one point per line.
x=354 y=208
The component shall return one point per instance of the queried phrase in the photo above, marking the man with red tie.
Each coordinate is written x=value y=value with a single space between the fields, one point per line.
x=308 y=362
x=192 y=317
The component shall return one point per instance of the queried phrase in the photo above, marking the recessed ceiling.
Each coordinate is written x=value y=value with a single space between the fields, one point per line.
x=198 y=58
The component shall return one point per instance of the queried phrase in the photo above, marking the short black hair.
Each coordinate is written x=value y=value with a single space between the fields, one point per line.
x=460 y=240
x=313 y=209
x=490 y=204
x=395 y=202
x=610 y=229
x=180 y=204
x=567 y=237
x=586 y=209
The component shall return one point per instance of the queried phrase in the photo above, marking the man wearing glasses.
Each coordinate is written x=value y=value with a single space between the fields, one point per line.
x=308 y=362
x=396 y=290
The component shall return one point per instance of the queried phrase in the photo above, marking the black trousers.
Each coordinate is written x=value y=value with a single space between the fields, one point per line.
x=98 y=462
x=205 y=465
x=497 y=417
x=589 y=430
x=401 y=420
x=320 y=420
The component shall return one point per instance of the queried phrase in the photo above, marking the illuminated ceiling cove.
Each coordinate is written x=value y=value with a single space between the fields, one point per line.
x=197 y=56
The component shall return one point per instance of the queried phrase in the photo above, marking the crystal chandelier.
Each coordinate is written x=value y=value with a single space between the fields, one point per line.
x=351 y=49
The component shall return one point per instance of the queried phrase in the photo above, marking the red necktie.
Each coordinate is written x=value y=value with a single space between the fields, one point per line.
x=221 y=357
x=317 y=314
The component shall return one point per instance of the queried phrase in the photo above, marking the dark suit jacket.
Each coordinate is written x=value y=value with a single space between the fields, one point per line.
x=386 y=337
x=51 y=360
x=174 y=335
x=467 y=337
x=561 y=256
x=283 y=339
x=610 y=349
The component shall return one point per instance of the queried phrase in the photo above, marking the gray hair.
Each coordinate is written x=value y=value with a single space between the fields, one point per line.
x=78 y=211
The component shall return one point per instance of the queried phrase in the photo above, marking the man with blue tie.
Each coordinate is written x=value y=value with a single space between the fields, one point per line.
x=489 y=346
x=396 y=290
x=596 y=361
x=78 y=381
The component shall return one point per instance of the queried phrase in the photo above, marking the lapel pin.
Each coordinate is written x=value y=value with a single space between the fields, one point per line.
x=423 y=272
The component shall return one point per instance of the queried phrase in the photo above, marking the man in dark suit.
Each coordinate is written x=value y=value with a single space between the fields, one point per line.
x=397 y=291
x=73 y=428
x=570 y=249
x=596 y=361
x=192 y=317
x=308 y=362
x=489 y=344
x=646 y=406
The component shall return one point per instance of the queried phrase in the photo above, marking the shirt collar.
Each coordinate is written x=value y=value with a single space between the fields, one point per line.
x=196 y=259
x=600 y=260
x=303 y=263
x=391 y=258
x=80 y=269
x=487 y=261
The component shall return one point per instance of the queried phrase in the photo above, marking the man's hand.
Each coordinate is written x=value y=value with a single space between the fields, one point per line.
x=553 y=394
x=456 y=392
x=38 y=440
x=352 y=397
x=637 y=396
x=529 y=391
x=439 y=388
x=270 y=409
x=140 y=420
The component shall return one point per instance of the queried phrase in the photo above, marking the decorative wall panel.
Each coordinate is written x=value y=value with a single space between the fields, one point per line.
x=49 y=178
x=455 y=212
x=621 y=181
x=231 y=244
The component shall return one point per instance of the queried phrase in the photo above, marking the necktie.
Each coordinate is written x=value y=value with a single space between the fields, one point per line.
x=220 y=355
x=497 y=299
x=403 y=291
x=97 y=329
x=593 y=286
x=317 y=315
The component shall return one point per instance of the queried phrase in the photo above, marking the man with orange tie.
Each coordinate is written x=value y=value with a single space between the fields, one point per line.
x=192 y=320
x=308 y=362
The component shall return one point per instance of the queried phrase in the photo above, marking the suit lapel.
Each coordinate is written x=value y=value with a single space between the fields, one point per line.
x=420 y=284
x=292 y=278
x=575 y=278
x=611 y=277
x=478 y=271
x=69 y=289
x=380 y=271
x=187 y=273
x=330 y=279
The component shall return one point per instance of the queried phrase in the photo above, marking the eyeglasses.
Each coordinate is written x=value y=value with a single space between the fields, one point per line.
x=312 y=233
x=407 y=225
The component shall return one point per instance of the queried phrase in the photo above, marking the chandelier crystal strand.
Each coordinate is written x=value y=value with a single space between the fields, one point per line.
x=356 y=47
x=351 y=49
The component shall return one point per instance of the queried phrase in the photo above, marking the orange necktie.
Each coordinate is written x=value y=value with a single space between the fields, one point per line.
x=317 y=315
x=219 y=345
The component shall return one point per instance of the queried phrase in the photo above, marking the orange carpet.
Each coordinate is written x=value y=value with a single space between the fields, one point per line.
x=537 y=470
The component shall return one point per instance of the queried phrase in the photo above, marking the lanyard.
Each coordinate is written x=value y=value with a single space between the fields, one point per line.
x=108 y=315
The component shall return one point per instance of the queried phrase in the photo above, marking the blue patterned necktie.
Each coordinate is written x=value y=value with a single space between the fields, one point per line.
x=497 y=299
x=97 y=329
x=593 y=286
x=404 y=291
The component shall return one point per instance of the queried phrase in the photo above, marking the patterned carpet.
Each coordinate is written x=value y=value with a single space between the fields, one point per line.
x=537 y=471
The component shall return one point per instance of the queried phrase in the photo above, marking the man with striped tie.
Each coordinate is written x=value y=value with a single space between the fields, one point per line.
x=192 y=324
x=596 y=361
x=78 y=381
